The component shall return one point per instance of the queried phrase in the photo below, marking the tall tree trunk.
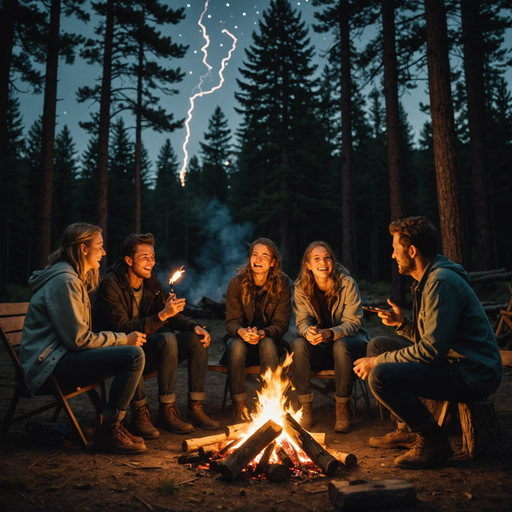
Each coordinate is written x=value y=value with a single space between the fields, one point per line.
x=8 y=15
x=285 y=215
x=104 y=124
x=138 y=139
x=398 y=286
x=451 y=211
x=44 y=220
x=475 y=89
x=346 y=138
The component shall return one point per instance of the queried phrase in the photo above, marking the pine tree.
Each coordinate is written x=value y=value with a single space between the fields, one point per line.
x=216 y=156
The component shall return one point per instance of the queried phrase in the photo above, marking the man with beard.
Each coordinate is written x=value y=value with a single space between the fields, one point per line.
x=130 y=297
x=452 y=355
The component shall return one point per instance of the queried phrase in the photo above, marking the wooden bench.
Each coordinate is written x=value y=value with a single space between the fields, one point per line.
x=12 y=317
x=319 y=375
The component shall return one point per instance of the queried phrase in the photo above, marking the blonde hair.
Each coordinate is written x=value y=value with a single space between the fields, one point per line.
x=275 y=277
x=70 y=251
x=306 y=279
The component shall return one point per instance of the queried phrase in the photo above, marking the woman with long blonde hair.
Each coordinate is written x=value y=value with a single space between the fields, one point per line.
x=258 y=311
x=329 y=319
x=57 y=337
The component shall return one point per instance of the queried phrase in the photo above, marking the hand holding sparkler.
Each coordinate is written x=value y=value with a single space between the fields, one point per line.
x=172 y=307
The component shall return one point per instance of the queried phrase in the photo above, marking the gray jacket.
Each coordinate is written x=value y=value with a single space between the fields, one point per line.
x=346 y=313
x=449 y=323
x=58 y=319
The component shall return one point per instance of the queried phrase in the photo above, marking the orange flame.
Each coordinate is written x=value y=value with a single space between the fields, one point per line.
x=176 y=276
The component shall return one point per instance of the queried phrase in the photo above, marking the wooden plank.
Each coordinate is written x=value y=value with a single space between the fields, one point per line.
x=15 y=308
x=12 y=323
x=323 y=375
x=14 y=338
x=506 y=358
x=363 y=495
x=250 y=370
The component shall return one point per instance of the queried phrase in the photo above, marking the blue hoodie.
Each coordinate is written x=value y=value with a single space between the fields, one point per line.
x=58 y=319
x=449 y=323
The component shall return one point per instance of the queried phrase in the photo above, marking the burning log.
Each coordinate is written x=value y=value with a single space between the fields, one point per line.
x=208 y=450
x=284 y=457
x=277 y=473
x=263 y=462
x=234 y=431
x=349 y=460
x=321 y=457
x=319 y=437
x=237 y=461
x=192 y=445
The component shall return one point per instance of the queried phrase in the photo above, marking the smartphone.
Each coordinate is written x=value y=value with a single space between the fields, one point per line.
x=371 y=309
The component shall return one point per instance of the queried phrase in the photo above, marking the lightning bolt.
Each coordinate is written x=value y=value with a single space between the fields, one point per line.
x=198 y=86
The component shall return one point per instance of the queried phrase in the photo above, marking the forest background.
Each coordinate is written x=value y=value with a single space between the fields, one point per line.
x=315 y=157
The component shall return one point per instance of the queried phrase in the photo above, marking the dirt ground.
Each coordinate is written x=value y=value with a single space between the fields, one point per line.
x=66 y=477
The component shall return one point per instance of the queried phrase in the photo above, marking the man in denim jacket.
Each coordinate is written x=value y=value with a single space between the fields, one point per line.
x=452 y=354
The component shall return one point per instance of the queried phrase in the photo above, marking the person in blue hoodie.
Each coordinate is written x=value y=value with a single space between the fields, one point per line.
x=57 y=337
x=452 y=354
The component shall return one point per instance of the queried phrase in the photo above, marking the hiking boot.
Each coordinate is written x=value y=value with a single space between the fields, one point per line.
x=342 y=418
x=307 y=421
x=198 y=418
x=131 y=437
x=110 y=437
x=241 y=412
x=169 y=418
x=396 y=439
x=141 y=423
x=426 y=452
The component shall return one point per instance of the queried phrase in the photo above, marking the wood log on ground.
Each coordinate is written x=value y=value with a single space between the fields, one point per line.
x=481 y=434
x=233 y=431
x=284 y=457
x=319 y=455
x=193 y=445
x=263 y=462
x=208 y=450
x=237 y=461
x=349 y=460
x=363 y=495
x=319 y=437
x=277 y=473
x=448 y=415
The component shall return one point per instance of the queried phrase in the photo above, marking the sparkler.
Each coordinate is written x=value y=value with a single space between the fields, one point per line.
x=201 y=80
x=175 y=277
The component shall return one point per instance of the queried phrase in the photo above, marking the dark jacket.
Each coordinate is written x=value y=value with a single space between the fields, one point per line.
x=276 y=312
x=450 y=324
x=114 y=301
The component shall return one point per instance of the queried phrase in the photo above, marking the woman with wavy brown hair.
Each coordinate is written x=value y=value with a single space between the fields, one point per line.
x=329 y=319
x=258 y=311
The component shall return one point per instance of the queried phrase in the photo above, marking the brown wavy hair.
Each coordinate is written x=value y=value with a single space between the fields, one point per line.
x=70 y=251
x=306 y=279
x=417 y=231
x=274 y=284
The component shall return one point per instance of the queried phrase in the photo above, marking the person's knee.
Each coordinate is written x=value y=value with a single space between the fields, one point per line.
x=135 y=356
x=376 y=346
x=195 y=343
x=300 y=348
x=236 y=349
x=167 y=342
x=268 y=348
x=341 y=348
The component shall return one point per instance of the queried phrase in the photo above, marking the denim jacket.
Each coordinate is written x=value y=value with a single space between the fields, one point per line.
x=449 y=323
x=58 y=320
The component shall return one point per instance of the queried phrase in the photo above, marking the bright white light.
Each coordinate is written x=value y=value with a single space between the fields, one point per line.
x=244 y=14
x=226 y=163
x=65 y=112
x=236 y=26
x=190 y=72
x=227 y=5
x=221 y=44
x=195 y=51
x=209 y=15
x=188 y=5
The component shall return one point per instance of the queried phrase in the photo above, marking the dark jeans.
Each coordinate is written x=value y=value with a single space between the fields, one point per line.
x=399 y=385
x=241 y=354
x=82 y=367
x=338 y=355
x=164 y=351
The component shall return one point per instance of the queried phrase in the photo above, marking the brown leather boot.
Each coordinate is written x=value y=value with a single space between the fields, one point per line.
x=427 y=451
x=240 y=411
x=169 y=418
x=342 y=418
x=131 y=437
x=141 y=423
x=197 y=417
x=307 y=421
x=399 y=438
x=111 y=437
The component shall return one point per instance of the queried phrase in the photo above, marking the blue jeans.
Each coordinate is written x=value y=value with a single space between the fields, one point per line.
x=164 y=352
x=399 y=385
x=241 y=354
x=123 y=362
x=337 y=355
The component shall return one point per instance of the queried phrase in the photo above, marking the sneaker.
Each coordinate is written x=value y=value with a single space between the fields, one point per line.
x=342 y=418
x=241 y=412
x=397 y=439
x=141 y=423
x=307 y=421
x=169 y=418
x=426 y=452
x=110 y=437
x=198 y=418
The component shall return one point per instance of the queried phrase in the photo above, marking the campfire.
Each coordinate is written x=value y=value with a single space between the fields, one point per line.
x=273 y=444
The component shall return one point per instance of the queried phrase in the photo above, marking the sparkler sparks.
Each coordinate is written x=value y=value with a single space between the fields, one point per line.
x=175 y=277
x=201 y=80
